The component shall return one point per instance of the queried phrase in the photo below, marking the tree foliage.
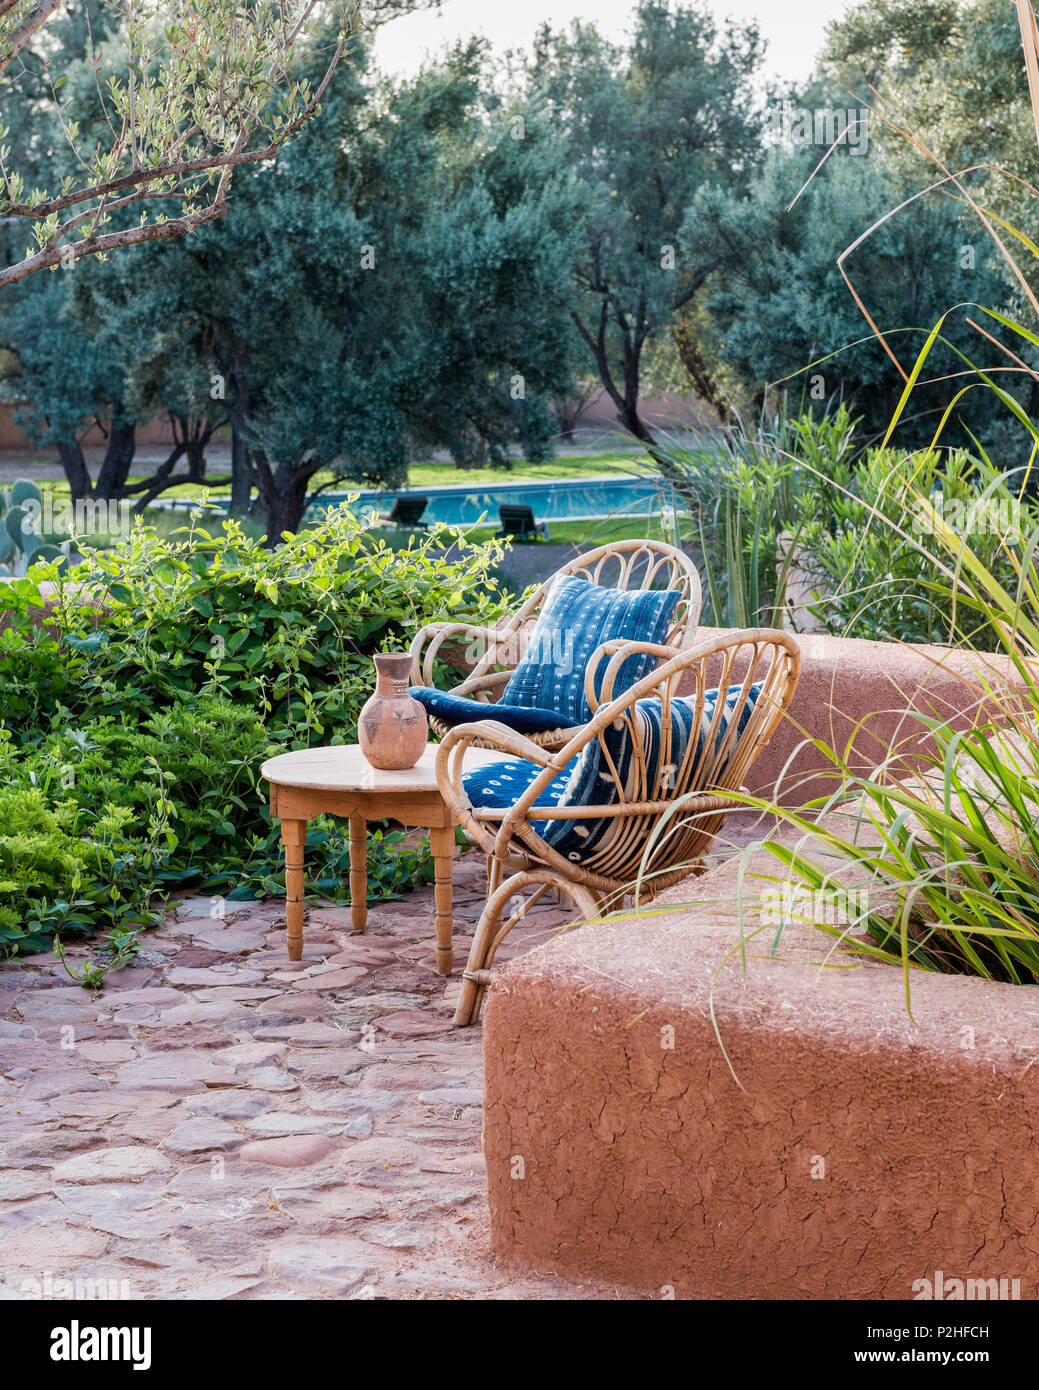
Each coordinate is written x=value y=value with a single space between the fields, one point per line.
x=198 y=89
x=780 y=312
x=437 y=263
x=644 y=127
x=398 y=280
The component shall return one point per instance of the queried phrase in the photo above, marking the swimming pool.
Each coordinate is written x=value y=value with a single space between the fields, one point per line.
x=566 y=499
x=465 y=504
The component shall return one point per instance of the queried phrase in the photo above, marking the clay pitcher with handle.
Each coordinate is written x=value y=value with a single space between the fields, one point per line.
x=393 y=729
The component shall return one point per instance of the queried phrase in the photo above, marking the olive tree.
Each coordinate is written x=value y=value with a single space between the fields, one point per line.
x=183 y=93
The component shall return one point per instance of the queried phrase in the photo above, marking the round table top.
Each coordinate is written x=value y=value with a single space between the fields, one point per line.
x=344 y=768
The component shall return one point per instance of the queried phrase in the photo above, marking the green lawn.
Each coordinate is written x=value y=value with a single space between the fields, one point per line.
x=598 y=531
x=571 y=466
x=572 y=533
x=422 y=475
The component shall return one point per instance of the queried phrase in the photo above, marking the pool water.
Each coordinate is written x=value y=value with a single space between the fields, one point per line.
x=567 y=499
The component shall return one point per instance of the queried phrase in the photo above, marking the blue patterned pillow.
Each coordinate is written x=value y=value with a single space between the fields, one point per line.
x=588 y=781
x=500 y=785
x=578 y=617
x=456 y=709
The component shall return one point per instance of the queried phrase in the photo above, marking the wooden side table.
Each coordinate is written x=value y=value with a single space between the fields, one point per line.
x=339 y=782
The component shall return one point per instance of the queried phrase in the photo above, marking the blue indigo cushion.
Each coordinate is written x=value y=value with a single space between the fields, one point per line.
x=500 y=785
x=588 y=781
x=577 y=617
x=456 y=709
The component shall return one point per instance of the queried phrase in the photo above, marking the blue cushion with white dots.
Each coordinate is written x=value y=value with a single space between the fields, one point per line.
x=577 y=617
x=588 y=781
x=500 y=785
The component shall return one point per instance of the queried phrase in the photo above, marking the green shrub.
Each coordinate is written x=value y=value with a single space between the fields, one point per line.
x=67 y=863
x=133 y=723
x=870 y=557
x=797 y=491
x=945 y=864
x=745 y=492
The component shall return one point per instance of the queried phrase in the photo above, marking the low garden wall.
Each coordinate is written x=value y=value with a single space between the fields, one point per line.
x=690 y=1125
x=831 y=1150
x=860 y=691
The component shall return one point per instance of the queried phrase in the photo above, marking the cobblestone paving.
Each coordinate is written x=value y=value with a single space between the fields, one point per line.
x=220 y=1123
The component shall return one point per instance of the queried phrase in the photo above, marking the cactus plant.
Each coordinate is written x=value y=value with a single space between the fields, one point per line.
x=22 y=546
x=22 y=490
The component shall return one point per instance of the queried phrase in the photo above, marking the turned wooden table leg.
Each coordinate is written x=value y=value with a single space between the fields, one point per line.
x=358 y=873
x=442 y=843
x=294 y=838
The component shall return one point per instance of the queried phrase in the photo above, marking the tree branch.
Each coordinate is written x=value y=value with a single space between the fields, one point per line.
x=598 y=350
x=91 y=246
x=35 y=19
x=168 y=175
x=698 y=280
x=174 y=481
x=206 y=164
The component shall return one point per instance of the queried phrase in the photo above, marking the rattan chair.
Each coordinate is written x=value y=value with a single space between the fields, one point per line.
x=663 y=822
x=634 y=564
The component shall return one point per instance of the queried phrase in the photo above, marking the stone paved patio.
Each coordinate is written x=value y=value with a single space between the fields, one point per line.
x=219 y=1123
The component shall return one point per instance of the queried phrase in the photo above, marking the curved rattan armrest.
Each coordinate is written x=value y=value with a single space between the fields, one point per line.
x=491 y=733
x=482 y=733
x=619 y=651
x=436 y=634
x=674 y=664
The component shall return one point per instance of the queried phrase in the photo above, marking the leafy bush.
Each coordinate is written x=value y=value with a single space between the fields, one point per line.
x=946 y=864
x=931 y=546
x=751 y=497
x=134 y=720
x=67 y=863
x=797 y=494
x=871 y=558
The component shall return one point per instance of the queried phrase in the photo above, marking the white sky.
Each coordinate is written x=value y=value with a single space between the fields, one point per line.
x=793 y=28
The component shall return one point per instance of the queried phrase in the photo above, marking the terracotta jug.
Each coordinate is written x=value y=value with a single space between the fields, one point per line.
x=393 y=728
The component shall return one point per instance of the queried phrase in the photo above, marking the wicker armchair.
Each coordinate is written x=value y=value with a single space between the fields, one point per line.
x=664 y=800
x=634 y=564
